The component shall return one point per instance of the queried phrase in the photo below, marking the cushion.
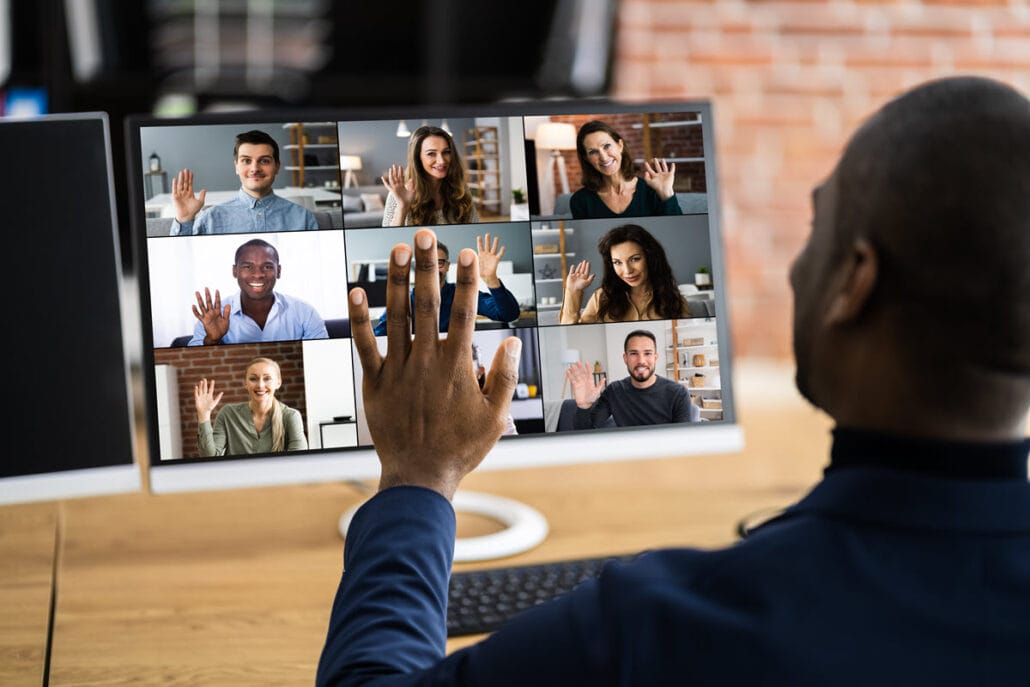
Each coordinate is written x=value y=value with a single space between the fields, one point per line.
x=372 y=201
x=352 y=203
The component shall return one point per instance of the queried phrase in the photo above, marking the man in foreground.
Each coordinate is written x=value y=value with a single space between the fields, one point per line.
x=909 y=563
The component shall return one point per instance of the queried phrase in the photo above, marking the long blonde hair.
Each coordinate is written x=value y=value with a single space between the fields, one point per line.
x=457 y=200
x=278 y=427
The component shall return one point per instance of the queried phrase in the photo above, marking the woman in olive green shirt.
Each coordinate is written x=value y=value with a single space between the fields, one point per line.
x=261 y=425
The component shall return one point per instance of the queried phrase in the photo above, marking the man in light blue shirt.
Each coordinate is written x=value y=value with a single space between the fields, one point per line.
x=257 y=313
x=255 y=208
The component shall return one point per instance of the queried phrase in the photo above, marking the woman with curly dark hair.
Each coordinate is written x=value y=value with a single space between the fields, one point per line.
x=433 y=188
x=638 y=283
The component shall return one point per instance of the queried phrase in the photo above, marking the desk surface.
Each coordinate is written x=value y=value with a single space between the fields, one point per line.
x=234 y=587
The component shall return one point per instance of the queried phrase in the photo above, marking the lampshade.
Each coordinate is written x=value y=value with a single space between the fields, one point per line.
x=556 y=136
x=569 y=356
x=402 y=130
x=446 y=127
x=350 y=162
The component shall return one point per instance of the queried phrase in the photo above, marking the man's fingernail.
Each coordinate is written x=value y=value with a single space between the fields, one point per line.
x=356 y=297
x=424 y=240
x=513 y=348
x=465 y=258
x=401 y=257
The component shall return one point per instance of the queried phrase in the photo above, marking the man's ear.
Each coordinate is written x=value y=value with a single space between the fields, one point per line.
x=856 y=279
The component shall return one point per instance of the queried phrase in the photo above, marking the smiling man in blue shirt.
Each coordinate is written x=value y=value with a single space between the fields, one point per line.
x=257 y=312
x=255 y=207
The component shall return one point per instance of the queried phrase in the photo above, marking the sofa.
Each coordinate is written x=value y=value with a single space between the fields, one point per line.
x=363 y=205
x=690 y=204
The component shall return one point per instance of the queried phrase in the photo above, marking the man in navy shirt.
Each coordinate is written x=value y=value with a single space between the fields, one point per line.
x=908 y=563
x=498 y=304
x=642 y=398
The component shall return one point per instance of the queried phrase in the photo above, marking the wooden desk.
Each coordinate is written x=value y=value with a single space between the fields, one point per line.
x=28 y=545
x=234 y=587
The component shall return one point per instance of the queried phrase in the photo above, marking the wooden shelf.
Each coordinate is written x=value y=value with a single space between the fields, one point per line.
x=300 y=146
x=482 y=158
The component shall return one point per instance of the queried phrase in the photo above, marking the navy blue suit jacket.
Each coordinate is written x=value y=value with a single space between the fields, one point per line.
x=877 y=577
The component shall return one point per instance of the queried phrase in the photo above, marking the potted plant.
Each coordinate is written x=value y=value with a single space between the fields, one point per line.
x=702 y=277
x=519 y=204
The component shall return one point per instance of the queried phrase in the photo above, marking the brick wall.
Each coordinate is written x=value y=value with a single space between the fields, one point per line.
x=789 y=82
x=227 y=366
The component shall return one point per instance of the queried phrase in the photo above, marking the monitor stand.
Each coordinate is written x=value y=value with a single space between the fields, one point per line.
x=525 y=527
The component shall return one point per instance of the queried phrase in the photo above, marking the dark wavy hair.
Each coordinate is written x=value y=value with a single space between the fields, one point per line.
x=593 y=179
x=457 y=200
x=665 y=295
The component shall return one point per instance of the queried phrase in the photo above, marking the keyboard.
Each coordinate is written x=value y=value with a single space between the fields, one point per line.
x=480 y=601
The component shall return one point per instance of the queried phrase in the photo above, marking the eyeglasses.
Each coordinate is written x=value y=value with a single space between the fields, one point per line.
x=443 y=262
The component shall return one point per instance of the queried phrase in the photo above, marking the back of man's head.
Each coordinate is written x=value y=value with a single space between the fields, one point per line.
x=939 y=182
x=255 y=137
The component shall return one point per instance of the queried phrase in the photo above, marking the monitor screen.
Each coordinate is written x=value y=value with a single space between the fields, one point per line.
x=253 y=226
x=67 y=371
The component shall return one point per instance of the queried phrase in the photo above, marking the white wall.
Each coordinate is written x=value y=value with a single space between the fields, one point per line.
x=328 y=383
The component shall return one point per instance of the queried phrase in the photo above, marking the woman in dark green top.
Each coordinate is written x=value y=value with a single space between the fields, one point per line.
x=611 y=187
x=261 y=425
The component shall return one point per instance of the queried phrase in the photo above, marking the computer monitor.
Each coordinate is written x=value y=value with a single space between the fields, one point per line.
x=67 y=368
x=322 y=232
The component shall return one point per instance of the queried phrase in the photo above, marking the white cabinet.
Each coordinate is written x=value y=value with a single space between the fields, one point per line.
x=692 y=359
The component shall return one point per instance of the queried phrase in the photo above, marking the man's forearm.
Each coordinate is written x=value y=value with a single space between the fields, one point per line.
x=390 y=612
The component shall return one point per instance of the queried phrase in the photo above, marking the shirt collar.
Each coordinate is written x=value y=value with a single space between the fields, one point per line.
x=252 y=202
x=964 y=460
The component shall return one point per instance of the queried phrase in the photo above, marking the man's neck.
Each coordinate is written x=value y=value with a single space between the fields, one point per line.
x=257 y=309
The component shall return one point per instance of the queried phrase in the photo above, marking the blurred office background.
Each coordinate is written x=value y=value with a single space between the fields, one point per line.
x=789 y=80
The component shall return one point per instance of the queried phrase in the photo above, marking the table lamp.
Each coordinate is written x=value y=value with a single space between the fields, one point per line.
x=350 y=164
x=557 y=136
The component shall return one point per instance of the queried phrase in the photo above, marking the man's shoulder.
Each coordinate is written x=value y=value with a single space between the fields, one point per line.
x=289 y=204
x=668 y=385
x=293 y=301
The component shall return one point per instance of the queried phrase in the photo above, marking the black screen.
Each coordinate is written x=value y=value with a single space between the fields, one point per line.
x=66 y=372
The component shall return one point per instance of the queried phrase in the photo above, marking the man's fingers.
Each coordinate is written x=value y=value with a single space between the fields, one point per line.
x=398 y=321
x=426 y=316
x=361 y=332
x=463 y=308
x=503 y=375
